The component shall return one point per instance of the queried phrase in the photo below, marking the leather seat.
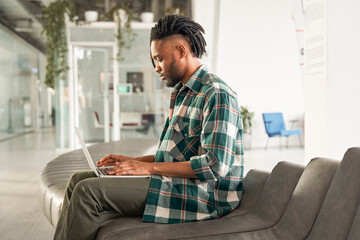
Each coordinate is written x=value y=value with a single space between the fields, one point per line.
x=259 y=215
x=318 y=202
x=337 y=215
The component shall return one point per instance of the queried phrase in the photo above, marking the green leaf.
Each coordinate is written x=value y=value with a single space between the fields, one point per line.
x=246 y=118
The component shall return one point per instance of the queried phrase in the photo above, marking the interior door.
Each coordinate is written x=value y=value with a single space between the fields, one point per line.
x=93 y=87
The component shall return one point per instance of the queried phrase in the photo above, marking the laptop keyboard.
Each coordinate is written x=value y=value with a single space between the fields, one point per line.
x=104 y=170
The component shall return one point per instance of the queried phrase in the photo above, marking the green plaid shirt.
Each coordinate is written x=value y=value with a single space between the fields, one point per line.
x=204 y=127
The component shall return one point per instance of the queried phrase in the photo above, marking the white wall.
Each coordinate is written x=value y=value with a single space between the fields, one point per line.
x=332 y=103
x=257 y=57
x=203 y=12
x=343 y=76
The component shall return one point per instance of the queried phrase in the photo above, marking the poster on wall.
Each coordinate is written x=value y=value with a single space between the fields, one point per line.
x=299 y=22
x=309 y=17
x=315 y=39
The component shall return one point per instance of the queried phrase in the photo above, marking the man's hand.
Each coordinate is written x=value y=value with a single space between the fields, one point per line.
x=132 y=167
x=112 y=159
x=145 y=165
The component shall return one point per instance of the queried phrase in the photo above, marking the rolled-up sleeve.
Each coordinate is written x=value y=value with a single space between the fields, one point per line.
x=218 y=137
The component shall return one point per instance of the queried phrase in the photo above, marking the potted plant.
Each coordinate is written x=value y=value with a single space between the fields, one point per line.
x=175 y=10
x=91 y=15
x=122 y=15
x=147 y=15
x=247 y=124
x=56 y=46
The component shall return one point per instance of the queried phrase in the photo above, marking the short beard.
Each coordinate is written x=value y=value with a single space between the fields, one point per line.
x=176 y=75
x=172 y=82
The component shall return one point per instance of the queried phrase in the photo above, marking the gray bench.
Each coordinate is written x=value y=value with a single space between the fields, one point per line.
x=320 y=201
x=56 y=173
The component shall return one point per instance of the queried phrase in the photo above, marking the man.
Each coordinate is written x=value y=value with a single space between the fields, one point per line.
x=197 y=170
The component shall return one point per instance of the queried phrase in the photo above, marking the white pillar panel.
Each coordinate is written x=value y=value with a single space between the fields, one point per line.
x=343 y=76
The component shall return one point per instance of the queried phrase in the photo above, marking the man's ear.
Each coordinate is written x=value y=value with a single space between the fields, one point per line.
x=182 y=50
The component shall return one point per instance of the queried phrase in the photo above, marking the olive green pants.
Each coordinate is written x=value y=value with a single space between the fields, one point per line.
x=90 y=201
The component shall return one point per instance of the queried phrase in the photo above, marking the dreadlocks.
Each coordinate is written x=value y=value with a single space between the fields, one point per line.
x=175 y=24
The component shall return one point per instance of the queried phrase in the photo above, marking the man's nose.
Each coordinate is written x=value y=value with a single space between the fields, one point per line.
x=157 y=68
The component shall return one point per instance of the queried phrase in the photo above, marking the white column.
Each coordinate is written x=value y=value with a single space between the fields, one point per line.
x=106 y=98
x=332 y=114
x=343 y=76
x=116 y=110
x=72 y=86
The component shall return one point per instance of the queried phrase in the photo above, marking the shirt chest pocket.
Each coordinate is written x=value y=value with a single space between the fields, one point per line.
x=188 y=130
x=186 y=141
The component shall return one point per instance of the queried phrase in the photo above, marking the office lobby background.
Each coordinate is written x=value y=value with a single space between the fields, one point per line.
x=252 y=45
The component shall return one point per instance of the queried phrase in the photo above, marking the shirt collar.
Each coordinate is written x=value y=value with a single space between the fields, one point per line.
x=194 y=82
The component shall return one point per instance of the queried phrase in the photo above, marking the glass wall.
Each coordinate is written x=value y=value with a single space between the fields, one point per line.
x=93 y=102
x=131 y=102
x=149 y=100
x=19 y=67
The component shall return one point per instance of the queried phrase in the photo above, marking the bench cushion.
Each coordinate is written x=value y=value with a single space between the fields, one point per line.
x=355 y=228
x=281 y=183
x=342 y=201
x=301 y=212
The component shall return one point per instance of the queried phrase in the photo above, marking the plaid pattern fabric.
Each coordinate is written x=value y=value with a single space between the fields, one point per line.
x=204 y=127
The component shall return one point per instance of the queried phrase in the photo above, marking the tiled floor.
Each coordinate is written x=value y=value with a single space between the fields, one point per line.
x=26 y=155
x=22 y=159
x=260 y=158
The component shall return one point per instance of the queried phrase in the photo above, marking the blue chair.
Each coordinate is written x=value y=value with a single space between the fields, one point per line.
x=275 y=126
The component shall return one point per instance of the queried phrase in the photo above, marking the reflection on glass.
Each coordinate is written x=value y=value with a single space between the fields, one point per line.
x=19 y=70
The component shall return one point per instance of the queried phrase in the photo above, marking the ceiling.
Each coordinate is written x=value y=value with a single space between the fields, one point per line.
x=24 y=17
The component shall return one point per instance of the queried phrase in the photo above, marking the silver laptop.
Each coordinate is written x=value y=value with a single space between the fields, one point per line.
x=100 y=172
